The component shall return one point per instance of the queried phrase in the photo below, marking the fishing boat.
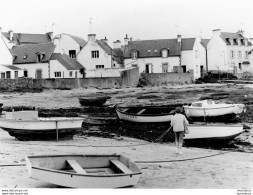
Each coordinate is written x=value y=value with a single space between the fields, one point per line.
x=213 y=132
x=84 y=171
x=145 y=114
x=208 y=108
x=26 y=125
x=93 y=101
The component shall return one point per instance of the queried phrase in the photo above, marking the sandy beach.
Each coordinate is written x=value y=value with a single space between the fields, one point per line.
x=161 y=167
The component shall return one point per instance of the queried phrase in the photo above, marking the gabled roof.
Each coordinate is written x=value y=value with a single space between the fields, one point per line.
x=188 y=43
x=104 y=46
x=24 y=38
x=118 y=55
x=28 y=53
x=152 y=48
x=68 y=62
x=11 y=67
x=204 y=42
x=225 y=36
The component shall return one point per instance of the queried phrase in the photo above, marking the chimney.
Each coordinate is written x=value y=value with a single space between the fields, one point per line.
x=11 y=35
x=105 y=40
x=216 y=32
x=179 y=38
x=126 y=40
x=116 y=44
x=50 y=35
x=240 y=32
x=91 y=37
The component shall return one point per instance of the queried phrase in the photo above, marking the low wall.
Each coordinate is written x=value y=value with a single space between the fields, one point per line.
x=168 y=78
x=11 y=84
x=130 y=77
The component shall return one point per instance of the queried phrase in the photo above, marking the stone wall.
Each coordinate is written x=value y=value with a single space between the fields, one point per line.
x=168 y=78
x=13 y=84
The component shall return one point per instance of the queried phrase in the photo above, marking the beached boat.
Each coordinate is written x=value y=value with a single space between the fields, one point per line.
x=208 y=108
x=145 y=114
x=213 y=132
x=84 y=171
x=93 y=101
x=26 y=125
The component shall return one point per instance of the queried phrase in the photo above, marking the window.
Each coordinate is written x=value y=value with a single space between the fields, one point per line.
x=25 y=56
x=240 y=66
x=134 y=65
x=57 y=74
x=165 y=53
x=232 y=54
x=72 y=54
x=99 y=66
x=3 y=75
x=164 y=67
x=16 y=74
x=184 y=68
x=134 y=55
x=246 y=55
x=94 y=54
x=239 y=54
x=70 y=73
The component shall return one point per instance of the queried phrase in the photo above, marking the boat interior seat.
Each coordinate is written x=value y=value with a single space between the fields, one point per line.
x=75 y=165
x=141 y=111
x=120 y=166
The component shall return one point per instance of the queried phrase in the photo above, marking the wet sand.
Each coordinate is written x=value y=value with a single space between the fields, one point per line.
x=197 y=168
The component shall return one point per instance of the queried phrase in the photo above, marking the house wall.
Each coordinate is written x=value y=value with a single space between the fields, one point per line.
x=106 y=72
x=84 y=57
x=65 y=43
x=12 y=72
x=156 y=62
x=168 y=78
x=217 y=55
x=56 y=66
x=130 y=77
x=5 y=55
x=31 y=68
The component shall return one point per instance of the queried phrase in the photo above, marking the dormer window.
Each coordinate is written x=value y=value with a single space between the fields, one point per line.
x=25 y=56
x=134 y=54
x=149 y=51
x=165 y=53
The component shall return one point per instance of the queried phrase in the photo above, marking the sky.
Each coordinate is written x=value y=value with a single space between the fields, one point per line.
x=139 y=19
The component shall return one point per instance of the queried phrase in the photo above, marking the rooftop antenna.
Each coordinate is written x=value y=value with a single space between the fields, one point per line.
x=90 y=24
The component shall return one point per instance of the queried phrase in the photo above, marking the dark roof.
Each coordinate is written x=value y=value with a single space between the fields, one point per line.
x=68 y=62
x=104 y=46
x=226 y=36
x=188 y=43
x=152 y=48
x=11 y=67
x=79 y=40
x=204 y=42
x=29 y=53
x=23 y=38
x=118 y=55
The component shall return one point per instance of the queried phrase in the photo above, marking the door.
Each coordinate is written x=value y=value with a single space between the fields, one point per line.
x=164 y=67
x=184 y=68
x=38 y=74
x=201 y=70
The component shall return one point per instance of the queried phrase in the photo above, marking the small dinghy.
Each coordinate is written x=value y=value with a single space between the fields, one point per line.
x=26 y=125
x=145 y=114
x=84 y=171
x=93 y=101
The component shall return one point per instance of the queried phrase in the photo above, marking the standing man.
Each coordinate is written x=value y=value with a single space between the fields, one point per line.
x=178 y=122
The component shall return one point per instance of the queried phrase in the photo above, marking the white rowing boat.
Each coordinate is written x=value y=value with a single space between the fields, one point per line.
x=26 y=125
x=84 y=171
x=208 y=108
x=213 y=131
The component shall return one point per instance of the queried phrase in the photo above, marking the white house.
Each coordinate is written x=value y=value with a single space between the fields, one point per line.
x=63 y=66
x=68 y=44
x=33 y=59
x=5 y=54
x=10 y=72
x=96 y=55
x=153 y=56
x=193 y=55
x=229 y=52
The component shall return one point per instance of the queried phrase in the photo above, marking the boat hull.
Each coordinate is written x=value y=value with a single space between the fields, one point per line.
x=55 y=173
x=42 y=128
x=212 y=112
x=93 y=101
x=213 y=132
x=144 y=118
